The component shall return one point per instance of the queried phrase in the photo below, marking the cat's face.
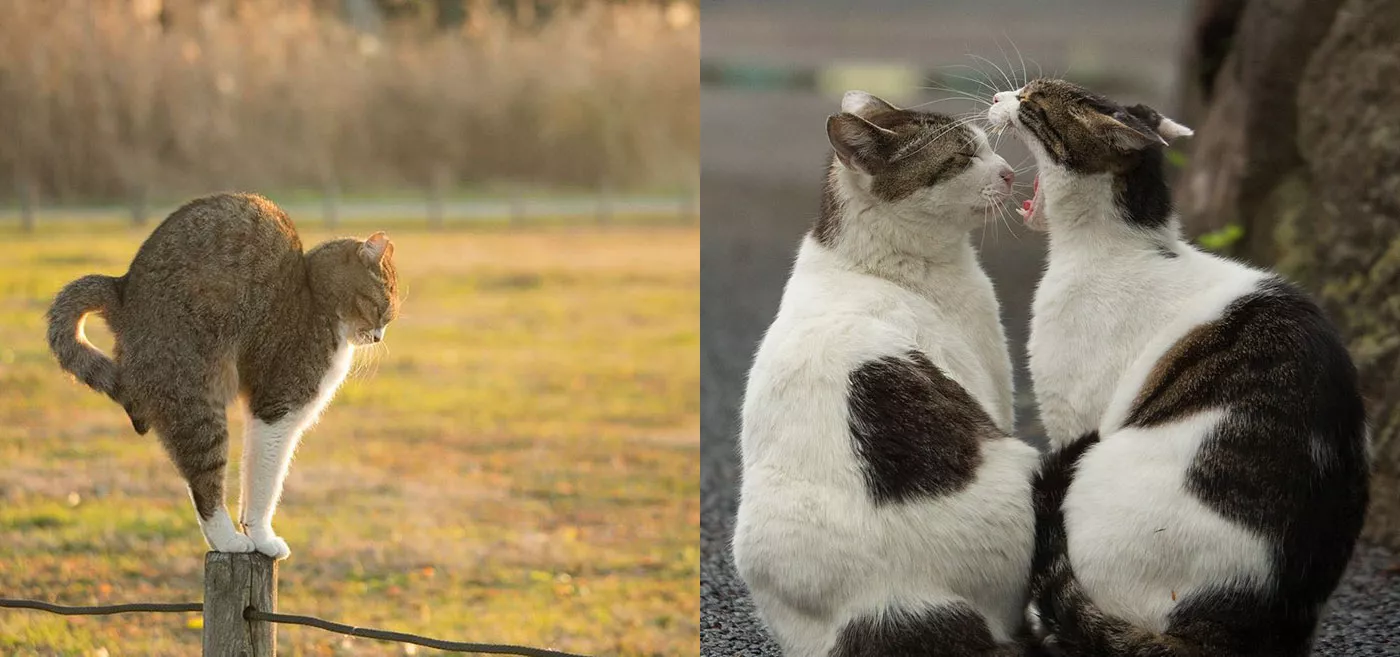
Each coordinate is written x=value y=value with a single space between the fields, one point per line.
x=363 y=285
x=1075 y=132
x=918 y=162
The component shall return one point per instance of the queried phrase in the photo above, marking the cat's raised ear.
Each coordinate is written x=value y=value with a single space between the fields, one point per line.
x=377 y=248
x=864 y=105
x=1124 y=132
x=1166 y=128
x=859 y=144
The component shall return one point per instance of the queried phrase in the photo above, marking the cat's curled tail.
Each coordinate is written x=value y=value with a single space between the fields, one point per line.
x=93 y=293
x=1066 y=620
x=1072 y=625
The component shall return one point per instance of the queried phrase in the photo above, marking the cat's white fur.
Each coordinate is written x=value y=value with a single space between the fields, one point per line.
x=812 y=548
x=267 y=455
x=1107 y=309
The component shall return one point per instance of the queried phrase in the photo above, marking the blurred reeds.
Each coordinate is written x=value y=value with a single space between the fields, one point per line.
x=104 y=100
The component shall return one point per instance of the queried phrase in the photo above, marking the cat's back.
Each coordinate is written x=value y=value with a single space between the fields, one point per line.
x=215 y=252
x=225 y=230
x=831 y=323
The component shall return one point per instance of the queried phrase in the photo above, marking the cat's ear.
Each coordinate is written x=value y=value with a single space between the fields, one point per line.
x=1124 y=132
x=859 y=144
x=864 y=105
x=377 y=248
x=1166 y=128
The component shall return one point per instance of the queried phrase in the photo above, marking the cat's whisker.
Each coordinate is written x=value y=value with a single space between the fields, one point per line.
x=1007 y=58
x=986 y=80
x=1010 y=224
x=1025 y=75
x=958 y=93
x=936 y=101
x=1010 y=85
x=990 y=88
x=930 y=140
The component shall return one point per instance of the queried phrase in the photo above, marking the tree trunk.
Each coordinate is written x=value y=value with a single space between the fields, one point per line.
x=1299 y=144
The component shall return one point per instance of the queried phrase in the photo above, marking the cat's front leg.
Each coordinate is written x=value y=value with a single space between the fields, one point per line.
x=267 y=454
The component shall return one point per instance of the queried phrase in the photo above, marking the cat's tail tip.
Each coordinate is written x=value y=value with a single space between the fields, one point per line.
x=76 y=355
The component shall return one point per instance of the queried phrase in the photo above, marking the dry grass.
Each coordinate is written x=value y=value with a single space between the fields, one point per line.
x=100 y=101
x=517 y=464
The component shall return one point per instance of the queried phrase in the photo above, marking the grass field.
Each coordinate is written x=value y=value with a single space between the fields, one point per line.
x=516 y=464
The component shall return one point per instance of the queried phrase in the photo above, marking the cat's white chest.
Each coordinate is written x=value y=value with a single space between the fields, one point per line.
x=341 y=360
x=1086 y=328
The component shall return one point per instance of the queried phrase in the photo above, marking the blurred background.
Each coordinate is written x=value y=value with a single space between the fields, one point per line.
x=140 y=103
x=516 y=463
x=1281 y=92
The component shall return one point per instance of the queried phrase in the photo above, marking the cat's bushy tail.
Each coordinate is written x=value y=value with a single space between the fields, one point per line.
x=1073 y=625
x=1070 y=623
x=76 y=355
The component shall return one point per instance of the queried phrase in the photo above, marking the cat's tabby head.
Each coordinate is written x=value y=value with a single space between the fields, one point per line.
x=1075 y=133
x=359 y=279
x=916 y=162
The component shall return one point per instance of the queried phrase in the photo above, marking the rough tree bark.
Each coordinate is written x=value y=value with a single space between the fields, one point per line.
x=1298 y=143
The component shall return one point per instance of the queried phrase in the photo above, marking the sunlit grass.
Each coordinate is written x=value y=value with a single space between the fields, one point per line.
x=516 y=464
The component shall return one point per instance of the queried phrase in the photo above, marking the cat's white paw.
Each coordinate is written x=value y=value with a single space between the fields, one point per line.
x=233 y=542
x=271 y=544
x=221 y=536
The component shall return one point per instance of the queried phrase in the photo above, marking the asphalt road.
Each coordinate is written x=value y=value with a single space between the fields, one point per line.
x=762 y=164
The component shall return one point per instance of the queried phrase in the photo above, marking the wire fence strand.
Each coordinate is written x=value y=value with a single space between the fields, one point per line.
x=403 y=637
x=102 y=610
x=289 y=619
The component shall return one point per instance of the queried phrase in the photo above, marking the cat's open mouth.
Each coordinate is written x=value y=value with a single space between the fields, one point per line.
x=1032 y=211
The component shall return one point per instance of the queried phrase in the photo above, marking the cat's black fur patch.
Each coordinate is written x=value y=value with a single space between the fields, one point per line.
x=1288 y=462
x=954 y=630
x=1143 y=195
x=916 y=431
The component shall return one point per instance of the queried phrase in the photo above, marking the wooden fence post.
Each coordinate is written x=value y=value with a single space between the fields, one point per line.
x=233 y=583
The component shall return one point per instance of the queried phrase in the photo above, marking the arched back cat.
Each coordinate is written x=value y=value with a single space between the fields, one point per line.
x=220 y=302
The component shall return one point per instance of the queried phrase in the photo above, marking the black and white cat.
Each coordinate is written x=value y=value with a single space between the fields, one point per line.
x=885 y=508
x=1209 y=466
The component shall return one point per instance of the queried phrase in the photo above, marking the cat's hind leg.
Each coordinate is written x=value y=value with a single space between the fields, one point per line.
x=195 y=434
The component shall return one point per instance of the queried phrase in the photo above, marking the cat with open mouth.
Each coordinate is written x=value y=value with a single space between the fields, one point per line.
x=1208 y=471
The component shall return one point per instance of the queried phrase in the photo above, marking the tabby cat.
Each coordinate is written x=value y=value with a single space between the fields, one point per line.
x=220 y=303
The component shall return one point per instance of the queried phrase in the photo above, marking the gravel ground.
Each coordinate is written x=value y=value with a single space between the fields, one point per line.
x=762 y=164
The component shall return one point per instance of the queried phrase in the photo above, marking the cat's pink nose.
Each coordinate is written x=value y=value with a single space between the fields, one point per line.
x=1009 y=177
